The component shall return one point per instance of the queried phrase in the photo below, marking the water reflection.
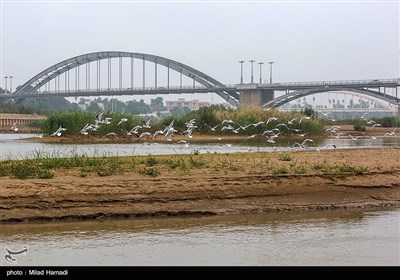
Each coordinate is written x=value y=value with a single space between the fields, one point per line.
x=292 y=238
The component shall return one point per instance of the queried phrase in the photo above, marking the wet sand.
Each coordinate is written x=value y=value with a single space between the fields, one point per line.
x=211 y=184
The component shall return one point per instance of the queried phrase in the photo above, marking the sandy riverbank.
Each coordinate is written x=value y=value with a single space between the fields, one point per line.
x=212 y=184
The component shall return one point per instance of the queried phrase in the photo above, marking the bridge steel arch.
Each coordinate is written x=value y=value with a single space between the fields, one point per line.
x=57 y=69
x=373 y=95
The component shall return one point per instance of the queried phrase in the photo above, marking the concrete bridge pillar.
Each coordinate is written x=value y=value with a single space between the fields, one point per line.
x=255 y=97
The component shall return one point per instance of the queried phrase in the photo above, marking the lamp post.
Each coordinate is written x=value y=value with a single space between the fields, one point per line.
x=252 y=61
x=241 y=71
x=10 y=83
x=260 y=63
x=5 y=84
x=270 y=71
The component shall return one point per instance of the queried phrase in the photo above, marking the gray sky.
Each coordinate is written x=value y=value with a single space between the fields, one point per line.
x=308 y=41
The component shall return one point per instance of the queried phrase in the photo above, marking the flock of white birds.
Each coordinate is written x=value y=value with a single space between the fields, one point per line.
x=228 y=125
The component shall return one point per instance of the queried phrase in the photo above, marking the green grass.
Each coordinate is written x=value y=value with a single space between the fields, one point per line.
x=285 y=157
x=151 y=172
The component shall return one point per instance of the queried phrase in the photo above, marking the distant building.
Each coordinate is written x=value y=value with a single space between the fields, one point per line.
x=191 y=104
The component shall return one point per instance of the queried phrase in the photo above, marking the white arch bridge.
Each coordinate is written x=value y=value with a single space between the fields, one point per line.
x=115 y=73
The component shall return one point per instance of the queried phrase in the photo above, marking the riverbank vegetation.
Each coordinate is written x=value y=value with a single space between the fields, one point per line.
x=276 y=164
x=209 y=121
x=205 y=118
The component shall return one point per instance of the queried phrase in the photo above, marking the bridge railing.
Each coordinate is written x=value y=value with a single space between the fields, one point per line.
x=340 y=82
x=138 y=89
x=372 y=82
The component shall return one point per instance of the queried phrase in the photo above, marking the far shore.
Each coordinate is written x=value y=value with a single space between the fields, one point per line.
x=209 y=184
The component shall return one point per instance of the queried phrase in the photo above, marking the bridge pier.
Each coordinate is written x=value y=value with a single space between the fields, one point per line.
x=255 y=97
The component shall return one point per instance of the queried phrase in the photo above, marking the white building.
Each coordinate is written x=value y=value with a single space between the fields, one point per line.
x=191 y=104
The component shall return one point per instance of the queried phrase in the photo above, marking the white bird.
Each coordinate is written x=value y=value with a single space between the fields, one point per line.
x=271 y=139
x=84 y=130
x=147 y=124
x=122 y=120
x=237 y=130
x=182 y=142
x=170 y=132
x=213 y=128
x=191 y=123
x=353 y=138
x=333 y=129
x=325 y=114
x=306 y=140
x=282 y=124
x=291 y=122
x=134 y=130
x=158 y=132
x=251 y=136
x=98 y=117
x=298 y=145
x=373 y=138
x=257 y=124
x=59 y=131
x=106 y=121
x=271 y=119
x=227 y=121
x=391 y=133
x=304 y=117
x=363 y=115
x=326 y=147
x=301 y=134
x=229 y=127
x=14 y=127
x=111 y=134
x=377 y=124
x=144 y=134
x=337 y=136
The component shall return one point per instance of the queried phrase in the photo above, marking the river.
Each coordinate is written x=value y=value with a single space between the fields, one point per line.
x=322 y=238
x=12 y=148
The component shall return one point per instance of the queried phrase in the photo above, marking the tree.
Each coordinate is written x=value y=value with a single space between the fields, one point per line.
x=50 y=104
x=137 y=108
x=309 y=112
x=157 y=104
x=176 y=111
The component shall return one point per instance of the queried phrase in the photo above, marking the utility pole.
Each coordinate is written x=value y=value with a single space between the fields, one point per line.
x=5 y=84
x=11 y=84
x=241 y=71
x=260 y=63
x=252 y=78
x=270 y=71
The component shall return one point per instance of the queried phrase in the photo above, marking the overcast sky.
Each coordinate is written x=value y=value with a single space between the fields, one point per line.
x=307 y=41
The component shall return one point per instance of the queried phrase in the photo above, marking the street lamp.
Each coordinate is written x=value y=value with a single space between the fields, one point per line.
x=251 y=61
x=260 y=63
x=270 y=71
x=11 y=83
x=241 y=71
x=5 y=86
